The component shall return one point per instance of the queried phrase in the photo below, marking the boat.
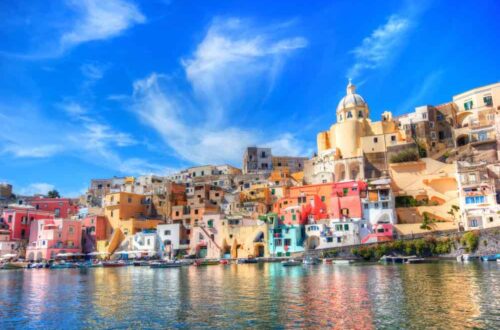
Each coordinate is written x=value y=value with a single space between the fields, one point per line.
x=342 y=262
x=113 y=264
x=90 y=265
x=311 y=261
x=327 y=261
x=206 y=262
x=466 y=257
x=224 y=262
x=14 y=265
x=63 y=265
x=291 y=262
x=140 y=263
x=247 y=261
x=492 y=257
x=171 y=264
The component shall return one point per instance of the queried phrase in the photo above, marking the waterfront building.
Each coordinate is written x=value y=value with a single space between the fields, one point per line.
x=174 y=239
x=19 y=218
x=230 y=236
x=283 y=239
x=126 y=214
x=60 y=207
x=7 y=245
x=145 y=243
x=332 y=233
x=355 y=147
x=94 y=228
x=51 y=237
x=479 y=198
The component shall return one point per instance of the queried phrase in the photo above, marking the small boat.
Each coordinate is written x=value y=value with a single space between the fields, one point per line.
x=171 y=264
x=291 y=262
x=15 y=265
x=311 y=261
x=140 y=263
x=492 y=257
x=327 y=261
x=224 y=262
x=113 y=264
x=36 y=265
x=342 y=262
x=247 y=261
x=206 y=262
x=63 y=265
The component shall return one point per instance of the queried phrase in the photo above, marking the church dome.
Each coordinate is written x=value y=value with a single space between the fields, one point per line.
x=351 y=100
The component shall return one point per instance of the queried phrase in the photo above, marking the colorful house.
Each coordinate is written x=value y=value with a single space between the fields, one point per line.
x=19 y=218
x=51 y=237
x=60 y=207
x=332 y=233
x=283 y=239
x=94 y=228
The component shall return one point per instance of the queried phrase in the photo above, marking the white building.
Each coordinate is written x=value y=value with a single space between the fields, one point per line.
x=146 y=243
x=332 y=233
x=379 y=203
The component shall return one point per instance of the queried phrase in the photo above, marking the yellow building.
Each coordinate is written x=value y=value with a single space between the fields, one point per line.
x=343 y=148
x=127 y=214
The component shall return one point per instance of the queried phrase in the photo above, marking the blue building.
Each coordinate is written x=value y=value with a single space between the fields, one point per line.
x=283 y=239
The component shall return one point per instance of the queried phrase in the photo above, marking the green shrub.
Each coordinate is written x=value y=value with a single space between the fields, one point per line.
x=470 y=241
x=408 y=155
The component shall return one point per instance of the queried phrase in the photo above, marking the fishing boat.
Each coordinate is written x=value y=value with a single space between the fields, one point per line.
x=492 y=257
x=113 y=264
x=311 y=261
x=14 y=265
x=342 y=262
x=328 y=261
x=247 y=261
x=141 y=263
x=206 y=262
x=291 y=262
x=224 y=262
x=63 y=265
x=171 y=264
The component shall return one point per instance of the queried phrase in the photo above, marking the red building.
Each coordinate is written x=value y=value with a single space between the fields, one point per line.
x=346 y=199
x=93 y=229
x=60 y=207
x=19 y=218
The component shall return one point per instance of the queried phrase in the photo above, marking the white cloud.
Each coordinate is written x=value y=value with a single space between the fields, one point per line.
x=232 y=56
x=36 y=188
x=381 y=46
x=100 y=20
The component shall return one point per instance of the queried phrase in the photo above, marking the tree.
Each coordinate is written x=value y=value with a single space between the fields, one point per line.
x=53 y=194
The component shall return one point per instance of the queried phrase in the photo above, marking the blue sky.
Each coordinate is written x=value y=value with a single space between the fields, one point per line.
x=94 y=89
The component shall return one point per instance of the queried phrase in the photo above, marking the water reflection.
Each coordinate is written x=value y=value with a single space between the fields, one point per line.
x=445 y=295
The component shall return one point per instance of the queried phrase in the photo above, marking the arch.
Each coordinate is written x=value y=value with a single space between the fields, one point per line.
x=384 y=218
x=355 y=170
x=39 y=256
x=31 y=256
x=259 y=250
x=259 y=237
x=462 y=140
x=340 y=172
x=312 y=242
x=461 y=118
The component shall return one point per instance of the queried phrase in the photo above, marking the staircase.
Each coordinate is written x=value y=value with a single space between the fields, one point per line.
x=210 y=238
x=115 y=240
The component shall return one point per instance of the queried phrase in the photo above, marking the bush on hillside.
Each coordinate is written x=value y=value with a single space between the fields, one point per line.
x=408 y=155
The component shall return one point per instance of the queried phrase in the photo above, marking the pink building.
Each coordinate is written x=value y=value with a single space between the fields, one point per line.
x=301 y=210
x=346 y=199
x=93 y=229
x=382 y=232
x=50 y=237
x=60 y=207
x=19 y=219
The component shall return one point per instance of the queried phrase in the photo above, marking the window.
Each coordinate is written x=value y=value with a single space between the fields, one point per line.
x=375 y=140
x=273 y=191
x=472 y=177
x=431 y=124
x=71 y=230
x=439 y=116
x=129 y=200
x=176 y=213
x=37 y=206
x=323 y=198
x=278 y=242
x=24 y=220
x=346 y=227
x=468 y=105
x=288 y=242
x=473 y=223
x=329 y=239
x=488 y=101
x=340 y=117
x=263 y=154
x=338 y=227
x=9 y=219
x=441 y=135
x=148 y=242
x=385 y=205
x=345 y=191
x=393 y=138
x=294 y=217
x=360 y=114
x=375 y=205
x=433 y=135
x=474 y=200
x=490 y=219
x=349 y=114
x=424 y=115
x=210 y=223
x=365 y=206
x=167 y=232
x=339 y=239
x=482 y=136
x=195 y=211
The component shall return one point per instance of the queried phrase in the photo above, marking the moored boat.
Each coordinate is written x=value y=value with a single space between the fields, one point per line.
x=342 y=262
x=311 y=261
x=14 y=265
x=247 y=261
x=63 y=265
x=291 y=262
x=165 y=264
x=206 y=262
x=113 y=264
x=491 y=257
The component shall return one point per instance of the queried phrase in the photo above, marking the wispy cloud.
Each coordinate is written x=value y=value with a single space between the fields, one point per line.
x=91 y=20
x=380 y=47
x=232 y=57
x=92 y=71
x=99 y=20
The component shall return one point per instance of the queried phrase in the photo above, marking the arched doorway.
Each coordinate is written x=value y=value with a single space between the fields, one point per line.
x=462 y=140
x=39 y=256
x=312 y=242
x=31 y=256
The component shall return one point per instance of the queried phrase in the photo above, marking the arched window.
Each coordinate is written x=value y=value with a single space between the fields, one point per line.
x=360 y=114
x=349 y=114
x=340 y=117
